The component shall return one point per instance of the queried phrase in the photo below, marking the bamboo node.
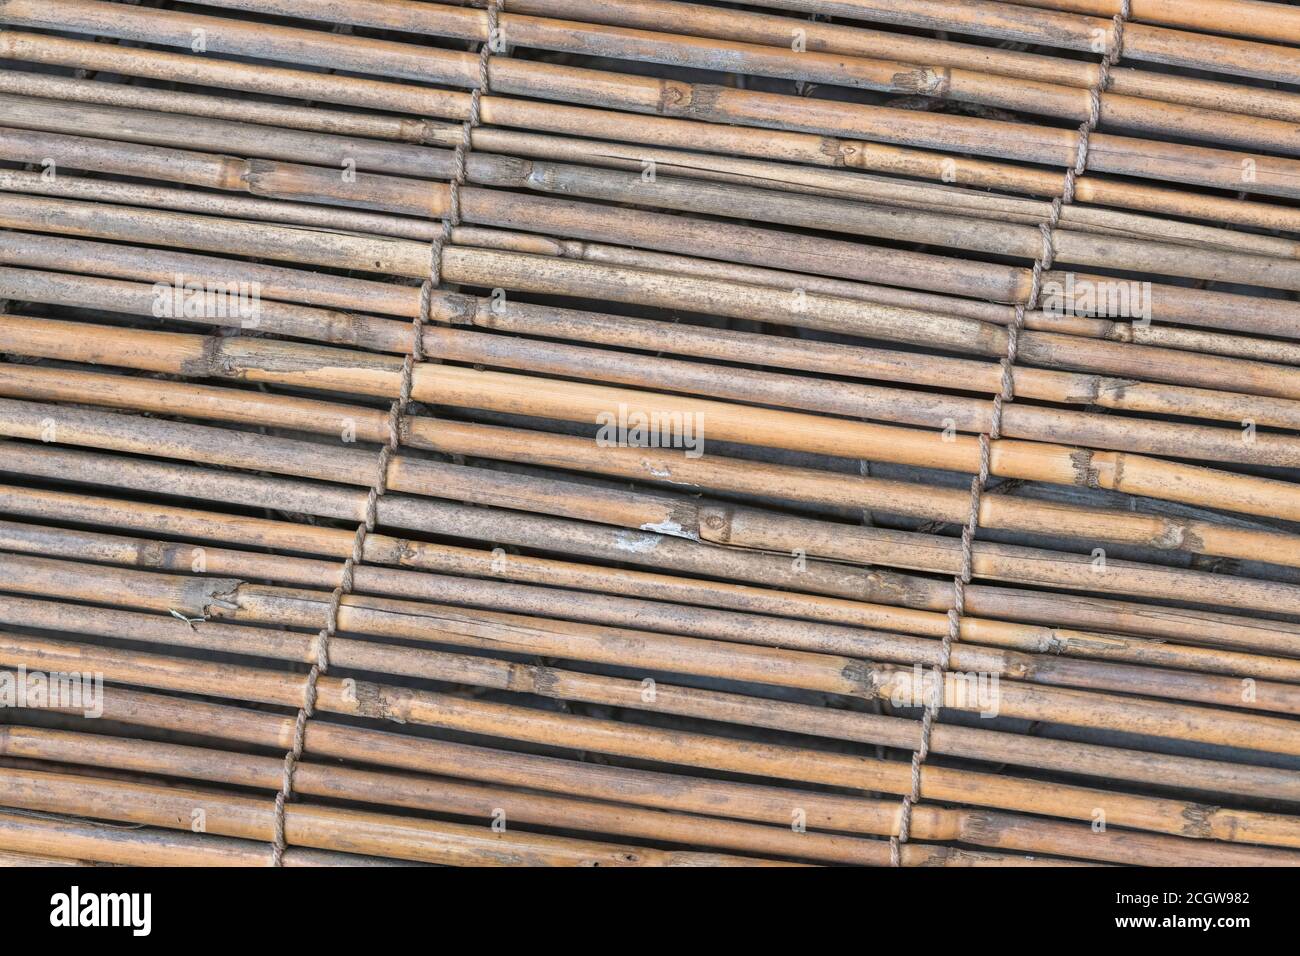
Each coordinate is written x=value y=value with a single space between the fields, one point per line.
x=1083 y=467
x=394 y=423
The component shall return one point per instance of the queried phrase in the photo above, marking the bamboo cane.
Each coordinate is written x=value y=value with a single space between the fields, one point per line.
x=1214 y=309
x=262 y=532
x=978 y=744
x=1110 y=153
x=882 y=404
x=877 y=645
x=661 y=515
x=801 y=147
x=725 y=54
x=24 y=834
x=742 y=628
x=1010 y=21
x=821 y=283
x=1265 y=21
x=442 y=796
x=1222 y=261
x=790 y=306
x=334 y=368
x=330 y=828
x=223 y=172
x=775 y=30
x=696 y=622
x=662 y=653
x=716 y=473
x=830 y=593
x=719 y=799
x=523 y=272
x=681 y=748
x=640 y=787
x=587 y=122
x=292 y=285
x=297 y=116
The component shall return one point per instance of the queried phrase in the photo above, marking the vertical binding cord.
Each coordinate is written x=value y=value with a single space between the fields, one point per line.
x=979 y=483
x=395 y=414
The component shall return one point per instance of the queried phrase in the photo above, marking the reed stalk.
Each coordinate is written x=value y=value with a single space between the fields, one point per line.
x=328 y=828
x=824 y=592
x=361 y=698
x=718 y=799
x=467 y=800
x=334 y=369
x=718 y=473
x=802 y=148
x=1110 y=153
x=1072 y=32
x=726 y=54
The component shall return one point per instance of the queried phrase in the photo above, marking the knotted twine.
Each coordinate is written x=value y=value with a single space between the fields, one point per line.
x=979 y=484
x=395 y=414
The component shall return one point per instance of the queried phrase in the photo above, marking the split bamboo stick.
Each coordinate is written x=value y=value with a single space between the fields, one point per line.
x=714 y=798
x=463 y=800
x=360 y=698
x=1012 y=21
x=776 y=30
x=684 y=133
x=1114 y=154
x=829 y=592
x=580 y=36
x=259 y=360
x=329 y=828
x=717 y=473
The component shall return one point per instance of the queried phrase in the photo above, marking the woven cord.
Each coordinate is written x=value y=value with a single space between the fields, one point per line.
x=395 y=414
x=979 y=484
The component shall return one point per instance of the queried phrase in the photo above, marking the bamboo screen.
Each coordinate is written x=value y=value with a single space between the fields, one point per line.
x=644 y=432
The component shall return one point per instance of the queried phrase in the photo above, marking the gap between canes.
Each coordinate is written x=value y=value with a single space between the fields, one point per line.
x=979 y=484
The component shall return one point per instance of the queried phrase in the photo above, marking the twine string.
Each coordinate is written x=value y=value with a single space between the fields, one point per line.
x=979 y=483
x=396 y=412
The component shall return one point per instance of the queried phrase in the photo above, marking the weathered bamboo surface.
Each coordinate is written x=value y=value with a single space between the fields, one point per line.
x=649 y=433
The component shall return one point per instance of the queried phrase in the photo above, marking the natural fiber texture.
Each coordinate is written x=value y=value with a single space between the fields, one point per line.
x=396 y=412
x=978 y=485
x=860 y=432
